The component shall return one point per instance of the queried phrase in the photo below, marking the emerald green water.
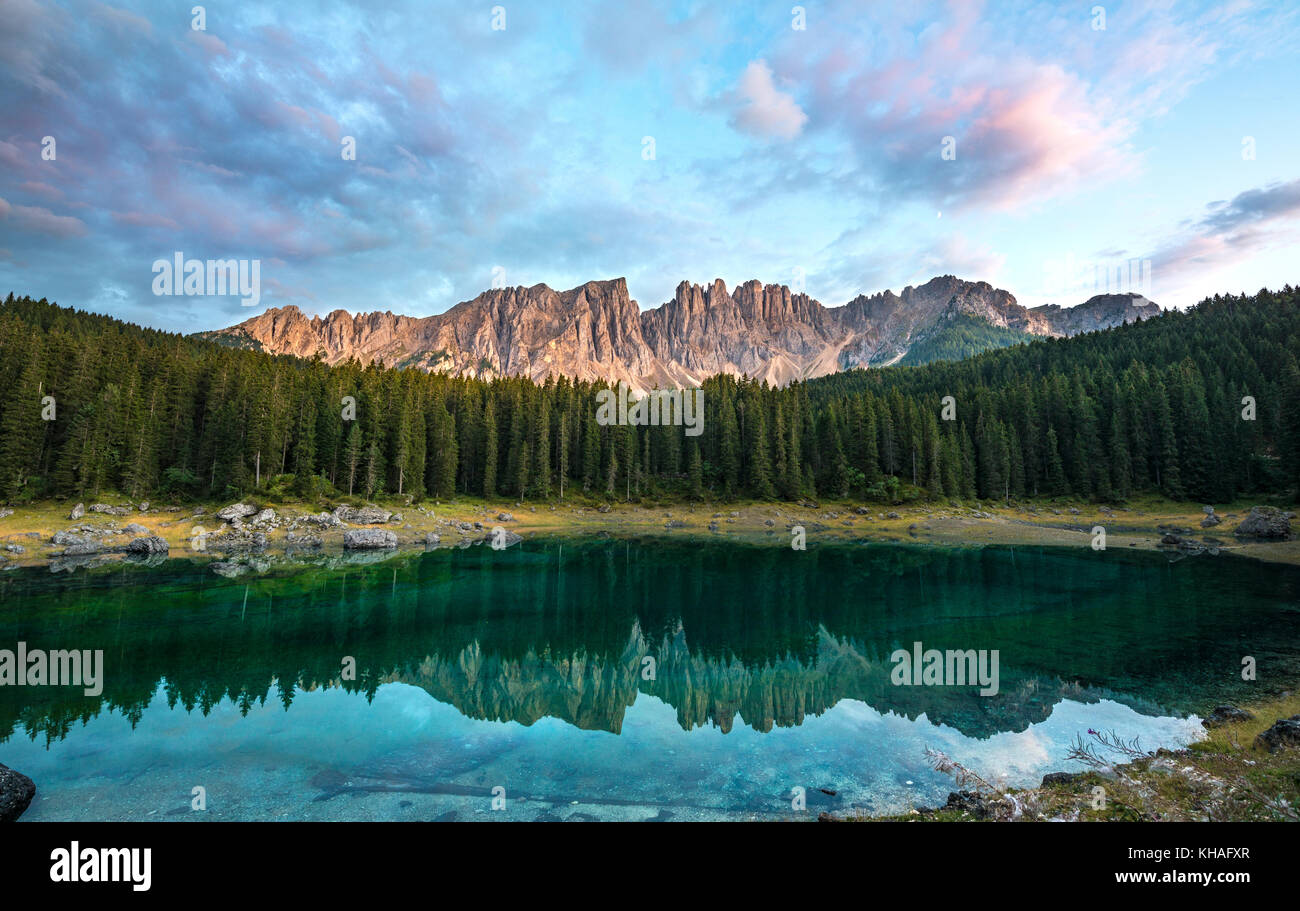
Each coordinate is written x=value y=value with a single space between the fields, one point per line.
x=525 y=669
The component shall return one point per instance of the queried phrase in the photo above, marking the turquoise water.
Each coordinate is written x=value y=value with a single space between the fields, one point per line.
x=523 y=674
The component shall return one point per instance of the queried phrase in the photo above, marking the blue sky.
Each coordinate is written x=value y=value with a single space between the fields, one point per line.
x=806 y=155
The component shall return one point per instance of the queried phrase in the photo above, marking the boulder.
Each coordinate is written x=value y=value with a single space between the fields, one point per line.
x=236 y=511
x=107 y=510
x=1266 y=522
x=78 y=512
x=134 y=528
x=1055 y=778
x=432 y=539
x=149 y=545
x=501 y=538
x=1285 y=733
x=505 y=517
x=16 y=793
x=15 y=548
x=365 y=515
x=266 y=515
x=368 y=539
x=1225 y=714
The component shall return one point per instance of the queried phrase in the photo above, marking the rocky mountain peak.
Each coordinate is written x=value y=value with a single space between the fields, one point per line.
x=597 y=331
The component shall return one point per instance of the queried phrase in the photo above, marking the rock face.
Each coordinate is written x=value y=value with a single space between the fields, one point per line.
x=1267 y=522
x=596 y=331
x=16 y=793
x=368 y=539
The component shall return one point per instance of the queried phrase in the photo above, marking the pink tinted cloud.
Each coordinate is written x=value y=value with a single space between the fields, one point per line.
x=764 y=110
x=146 y=220
x=42 y=221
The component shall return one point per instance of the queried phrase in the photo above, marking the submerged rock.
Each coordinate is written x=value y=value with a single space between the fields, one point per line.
x=16 y=793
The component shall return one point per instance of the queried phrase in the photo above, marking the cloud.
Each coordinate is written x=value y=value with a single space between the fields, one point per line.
x=1228 y=234
x=42 y=221
x=764 y=110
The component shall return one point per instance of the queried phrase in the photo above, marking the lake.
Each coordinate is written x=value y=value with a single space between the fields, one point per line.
x=662 y=677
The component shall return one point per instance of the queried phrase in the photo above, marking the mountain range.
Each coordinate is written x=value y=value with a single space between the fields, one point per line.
x=596 y=331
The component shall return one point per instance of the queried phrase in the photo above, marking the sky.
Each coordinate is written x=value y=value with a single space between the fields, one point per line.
x=1056 y=150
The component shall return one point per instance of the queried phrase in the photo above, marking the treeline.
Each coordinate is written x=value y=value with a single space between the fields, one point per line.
x=1155 y=406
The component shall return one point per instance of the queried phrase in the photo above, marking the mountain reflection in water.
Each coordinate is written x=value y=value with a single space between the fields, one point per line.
x=562 y=629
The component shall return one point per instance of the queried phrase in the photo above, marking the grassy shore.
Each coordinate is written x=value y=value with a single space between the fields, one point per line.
x=968 y=523
x=1225 y=777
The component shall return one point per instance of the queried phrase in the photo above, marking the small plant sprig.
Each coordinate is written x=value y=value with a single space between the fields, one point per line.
x=968 y=778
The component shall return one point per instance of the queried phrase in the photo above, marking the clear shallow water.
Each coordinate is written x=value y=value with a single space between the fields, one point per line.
x=523 y=669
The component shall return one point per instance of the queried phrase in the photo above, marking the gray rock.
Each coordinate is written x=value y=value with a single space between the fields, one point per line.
x=501 y=539
x=1285 y=733
x=365 y=515
x=133 y=528
x=432 y=539
x=15 y=548
x=1225 y=714
x=78 y=512
x=266 y=515
x=1055 y=778
x=368 y=539
x=229 y=570
x=505 y=517
x=152 y=544
x=236 y=511
x=1266 y=522
x=1210 y=521
x=323 y=520
x=16 y=793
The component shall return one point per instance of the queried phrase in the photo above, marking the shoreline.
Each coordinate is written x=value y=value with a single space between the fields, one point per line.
x=1246 y=768
x=28 y=534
